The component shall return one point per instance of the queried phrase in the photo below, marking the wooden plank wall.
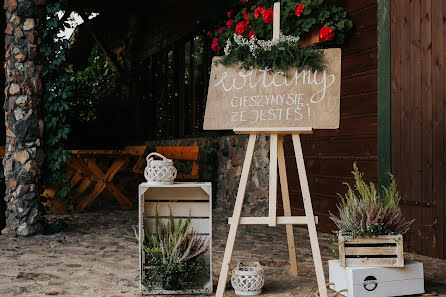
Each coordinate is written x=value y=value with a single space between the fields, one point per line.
x=330 y=154
x=418 y=127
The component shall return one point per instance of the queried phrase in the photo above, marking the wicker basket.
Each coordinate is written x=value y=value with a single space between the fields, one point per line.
x=159 y=172
x=247 y=280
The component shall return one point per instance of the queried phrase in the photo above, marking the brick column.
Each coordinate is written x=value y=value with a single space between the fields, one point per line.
x=23 y=93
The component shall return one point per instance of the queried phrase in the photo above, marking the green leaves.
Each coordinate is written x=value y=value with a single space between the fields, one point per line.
x=57 y=90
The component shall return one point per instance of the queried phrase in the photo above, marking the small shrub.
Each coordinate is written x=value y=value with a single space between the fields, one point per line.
x=172 y=254
x=365 y=213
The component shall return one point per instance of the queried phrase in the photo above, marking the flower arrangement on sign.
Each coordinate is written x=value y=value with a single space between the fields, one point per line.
x=172 y=254
x=246 y=35
x=370 y=224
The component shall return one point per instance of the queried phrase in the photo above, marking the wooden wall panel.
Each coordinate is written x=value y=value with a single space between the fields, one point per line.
x=330 y=154
x=418 y=126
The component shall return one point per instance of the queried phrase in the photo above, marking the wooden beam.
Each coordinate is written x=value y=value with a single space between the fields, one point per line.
x=286 y=220
x=384 y=91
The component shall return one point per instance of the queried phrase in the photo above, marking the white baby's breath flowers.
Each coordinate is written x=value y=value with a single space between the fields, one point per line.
x=227 y=48
x=255 y=45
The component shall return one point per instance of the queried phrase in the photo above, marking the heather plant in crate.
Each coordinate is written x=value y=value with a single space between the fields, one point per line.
x=371 y=226
x=172 y=255
x=365 y=213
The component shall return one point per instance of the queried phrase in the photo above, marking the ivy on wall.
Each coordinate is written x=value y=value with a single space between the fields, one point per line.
x=57 y=90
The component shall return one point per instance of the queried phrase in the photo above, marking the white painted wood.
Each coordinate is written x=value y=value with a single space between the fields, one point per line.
x=291 y=220
x=236 y=217
x=177 y=193
x=309 y=213
x=286 y=205
x=390 y=281
x=272 y=180
x=198 y=225
x=179 y=209
x=276 y=21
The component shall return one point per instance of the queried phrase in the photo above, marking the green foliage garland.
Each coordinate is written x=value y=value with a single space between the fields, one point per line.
x=364 y=213
x=279 y=57
x=57 y=89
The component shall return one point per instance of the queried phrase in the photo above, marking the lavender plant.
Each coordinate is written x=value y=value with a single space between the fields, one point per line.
x=172 y=254
x=365 y=213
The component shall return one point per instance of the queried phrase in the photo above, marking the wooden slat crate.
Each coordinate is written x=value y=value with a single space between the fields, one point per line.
x=189 y=198
x=383 y=250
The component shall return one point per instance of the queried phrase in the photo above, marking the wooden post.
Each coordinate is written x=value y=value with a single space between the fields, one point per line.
x=276 y=21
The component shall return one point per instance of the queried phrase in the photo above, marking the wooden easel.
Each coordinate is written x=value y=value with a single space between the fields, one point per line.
x=277 y=159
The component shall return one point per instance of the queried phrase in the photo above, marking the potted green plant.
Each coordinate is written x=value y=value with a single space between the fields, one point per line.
x=172 y=255
x=371 y=226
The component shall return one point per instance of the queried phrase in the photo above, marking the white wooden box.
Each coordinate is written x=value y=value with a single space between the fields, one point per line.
x=377 y=281
x=187 y=198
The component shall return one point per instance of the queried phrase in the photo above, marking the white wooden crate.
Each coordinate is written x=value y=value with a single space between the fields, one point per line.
x=188 y=198
x=377 y=281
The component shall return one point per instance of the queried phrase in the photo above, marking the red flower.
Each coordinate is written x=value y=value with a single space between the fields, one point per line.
x=229 y=23
x=241 y=28
x=326 y=33
x=229 y=14
x=258 y=11
x=219 y=30
x=215 y=46
x=245 y=15
x=209 y=33
x=299 y=9
x=244 y=1
x=251 y=34
x=268 y=16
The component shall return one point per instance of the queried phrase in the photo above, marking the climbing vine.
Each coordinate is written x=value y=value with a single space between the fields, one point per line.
x=57 y=90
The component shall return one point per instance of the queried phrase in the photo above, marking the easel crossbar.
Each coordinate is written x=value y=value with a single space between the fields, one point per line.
x=294 y=220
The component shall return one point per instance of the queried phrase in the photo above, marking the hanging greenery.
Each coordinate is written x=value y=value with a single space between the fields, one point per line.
x=97 y=81
x=57 y=90
x=246 y=35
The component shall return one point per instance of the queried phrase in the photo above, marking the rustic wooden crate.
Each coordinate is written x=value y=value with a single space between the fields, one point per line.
x=188 y=198
x=383 y=250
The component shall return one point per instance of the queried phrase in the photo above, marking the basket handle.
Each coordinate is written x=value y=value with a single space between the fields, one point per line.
x=156 y=154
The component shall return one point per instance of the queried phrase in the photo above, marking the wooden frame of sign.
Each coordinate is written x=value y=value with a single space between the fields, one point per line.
x=259 y=101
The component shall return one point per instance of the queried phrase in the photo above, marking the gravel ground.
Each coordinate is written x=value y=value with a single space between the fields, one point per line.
x=96 y=255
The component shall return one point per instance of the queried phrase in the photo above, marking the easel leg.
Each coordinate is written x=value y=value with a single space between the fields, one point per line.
x=286 y=205
x=236 y=217
x=310 y=216
x=272 y=180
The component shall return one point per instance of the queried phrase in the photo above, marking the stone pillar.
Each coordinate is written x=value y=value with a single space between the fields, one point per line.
x=23 y=92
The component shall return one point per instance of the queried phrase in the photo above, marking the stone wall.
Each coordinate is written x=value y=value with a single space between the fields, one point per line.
x=23 y=156
x=221 y=162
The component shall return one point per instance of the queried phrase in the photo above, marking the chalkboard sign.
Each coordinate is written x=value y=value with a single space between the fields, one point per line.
x=255 y=98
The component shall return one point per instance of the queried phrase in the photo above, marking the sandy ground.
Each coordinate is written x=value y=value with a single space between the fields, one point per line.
x=96 y=255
